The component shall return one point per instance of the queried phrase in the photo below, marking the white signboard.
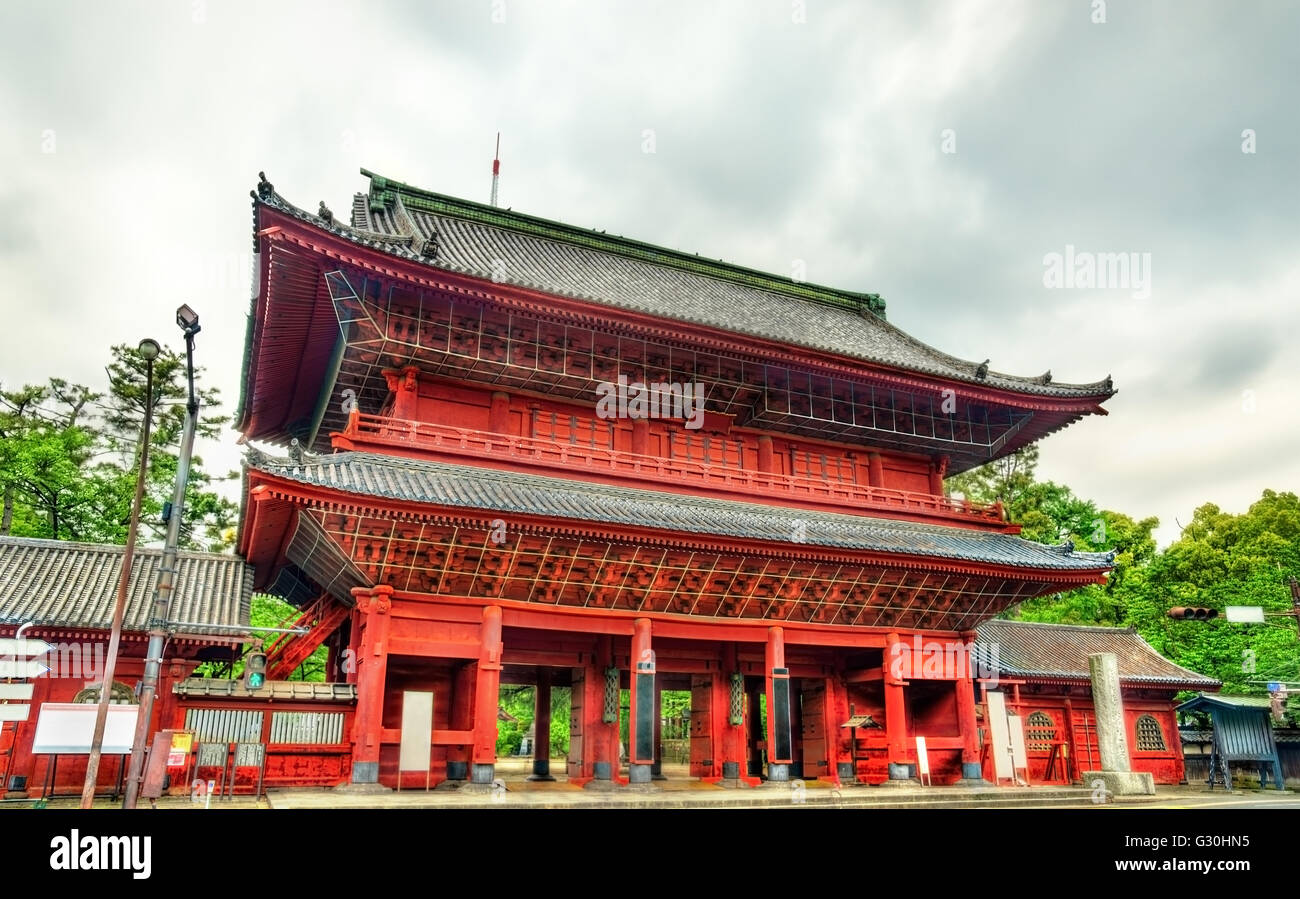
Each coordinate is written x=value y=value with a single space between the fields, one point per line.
x=1245 y=614
x=1000 y=736
x=69 y=727
x=922 y=762
x=13 y=711
x=22 y=648
x=20 y=692
x=417 y=730
x=1019 y=759
x=22 y=668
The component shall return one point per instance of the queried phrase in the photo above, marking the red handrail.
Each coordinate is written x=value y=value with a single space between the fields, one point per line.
x=540 y=451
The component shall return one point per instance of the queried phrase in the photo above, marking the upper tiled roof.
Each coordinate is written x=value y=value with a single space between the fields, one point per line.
x=1061 y=651
x=512 y=248
x=471 y=487
x=55 y=582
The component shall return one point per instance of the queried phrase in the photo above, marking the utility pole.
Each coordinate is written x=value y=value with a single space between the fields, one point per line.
x=188 y=320
x=149 y=350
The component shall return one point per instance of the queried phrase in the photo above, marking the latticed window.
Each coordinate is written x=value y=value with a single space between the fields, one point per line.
x=1150 y=738
x=1040 y=731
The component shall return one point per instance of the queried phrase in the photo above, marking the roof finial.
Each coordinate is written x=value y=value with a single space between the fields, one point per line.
x=983 y=370
x=496 y=169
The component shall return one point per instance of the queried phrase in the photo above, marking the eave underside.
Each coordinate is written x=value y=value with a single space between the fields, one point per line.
x=478 y=556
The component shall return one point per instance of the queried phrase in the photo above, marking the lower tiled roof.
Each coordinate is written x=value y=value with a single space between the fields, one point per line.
x=55 y=582
x=1025 y=649
x=505 y=492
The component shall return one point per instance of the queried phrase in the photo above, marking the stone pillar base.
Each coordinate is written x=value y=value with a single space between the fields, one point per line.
x=365 y=772
x=1121 y=783
x=778 y=773
x=362 y=788
x=639 y=774
x=482 y=774
x=844 y=771
x=972 y=775
x=601 y=786
x=541 y=771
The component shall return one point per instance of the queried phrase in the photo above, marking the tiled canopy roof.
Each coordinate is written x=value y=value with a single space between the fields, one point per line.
x=54 y=582
x=1203 y=702
x=512 y=248
x=1061 y=651
x=470 y=487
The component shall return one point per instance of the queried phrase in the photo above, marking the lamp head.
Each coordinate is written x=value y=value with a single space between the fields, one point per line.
x=149 y=349
x=188 y=320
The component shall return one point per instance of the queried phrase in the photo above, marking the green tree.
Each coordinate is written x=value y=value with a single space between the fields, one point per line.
x=209 y=519
x=52 y=485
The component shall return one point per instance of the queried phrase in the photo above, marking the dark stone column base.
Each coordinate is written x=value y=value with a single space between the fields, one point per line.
x=482 y=774
x=365 y=772
x=972 y=775
x=639 y=774
x=457 y=770
x=778 y=773
x=541 y=771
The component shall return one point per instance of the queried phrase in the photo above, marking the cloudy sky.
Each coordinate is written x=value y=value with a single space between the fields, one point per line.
x=934 y=153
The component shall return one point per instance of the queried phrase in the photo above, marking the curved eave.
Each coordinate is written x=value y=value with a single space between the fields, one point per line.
x=1058 y=677
x=340 y=496
x=396 y=260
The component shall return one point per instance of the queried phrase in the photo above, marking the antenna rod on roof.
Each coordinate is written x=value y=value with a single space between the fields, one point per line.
x=496 y=169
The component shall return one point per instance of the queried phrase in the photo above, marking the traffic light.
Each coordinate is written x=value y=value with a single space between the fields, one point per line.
x=1192 y=613
x=255 y=671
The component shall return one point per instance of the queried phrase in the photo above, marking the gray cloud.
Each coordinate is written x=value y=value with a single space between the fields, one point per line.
x=773 y=141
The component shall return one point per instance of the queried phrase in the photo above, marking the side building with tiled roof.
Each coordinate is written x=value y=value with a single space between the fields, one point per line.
x=62 y=594
x=1042 y=669
x=499 y=449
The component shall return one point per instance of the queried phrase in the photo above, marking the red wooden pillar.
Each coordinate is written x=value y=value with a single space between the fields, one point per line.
x=375 y=605
x=780 y=742
x=641 y=728
x=600 y=736
x=938 y=469
x=970 y=743
x=832 y=718
x=729 y=742
x=875 y=470
x=641 y=436
x=1067 y=725
x=405 y=387
x=461 y=718
x=895 y=712
x=487 y=689
x=353 y=651
x=765 y=453
x=499 y=413
x=542 y=727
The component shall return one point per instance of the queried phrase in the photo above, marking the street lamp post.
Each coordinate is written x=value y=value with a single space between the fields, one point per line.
x=149 y=351
x=188 y=320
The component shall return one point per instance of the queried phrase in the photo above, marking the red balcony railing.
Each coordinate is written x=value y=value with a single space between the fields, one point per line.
x=449 y=440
